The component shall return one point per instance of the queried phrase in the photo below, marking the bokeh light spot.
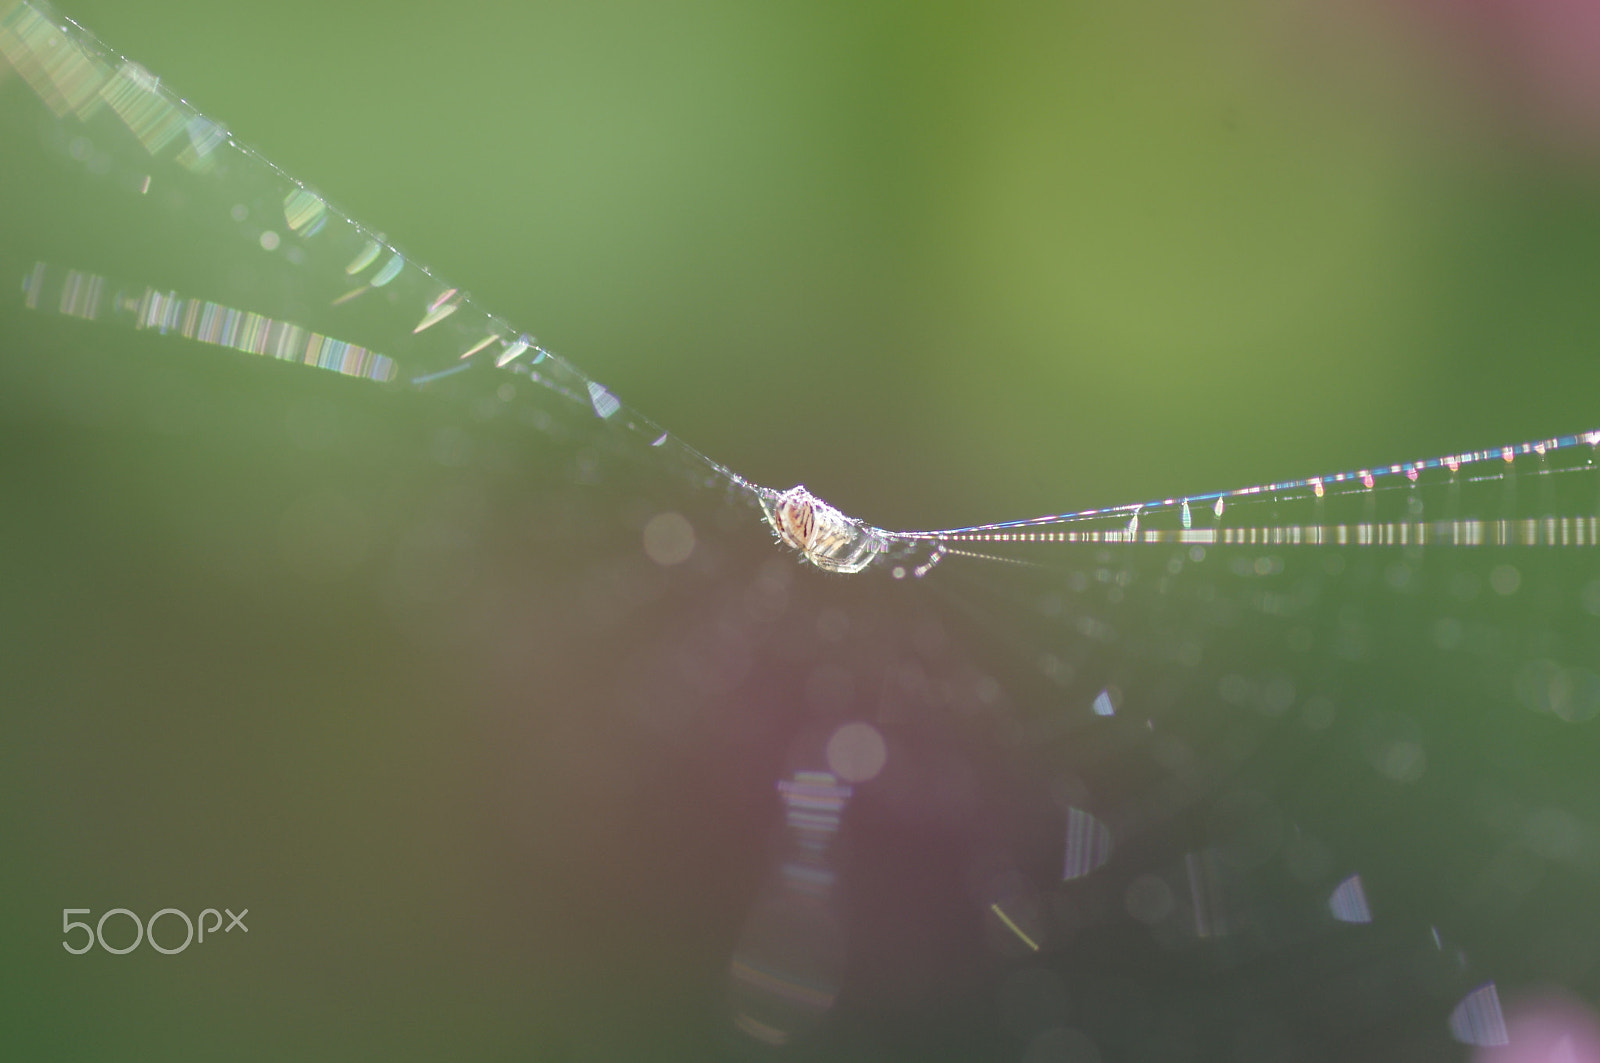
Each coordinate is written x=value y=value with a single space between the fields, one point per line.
x=856 y=752
x=668 y=539
x=1505 y=579
x=1348 y=902
x=1148 y=899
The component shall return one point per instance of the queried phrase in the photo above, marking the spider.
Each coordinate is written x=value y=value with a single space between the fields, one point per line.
x=823 y=535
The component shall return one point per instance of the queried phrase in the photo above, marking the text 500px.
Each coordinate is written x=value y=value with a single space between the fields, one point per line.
x=146 y=931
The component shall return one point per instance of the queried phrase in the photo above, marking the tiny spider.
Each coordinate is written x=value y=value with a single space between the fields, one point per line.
x=823 y=535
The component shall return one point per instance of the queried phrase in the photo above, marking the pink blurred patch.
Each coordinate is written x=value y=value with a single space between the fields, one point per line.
x=1549 y=1028
x=1540 y=54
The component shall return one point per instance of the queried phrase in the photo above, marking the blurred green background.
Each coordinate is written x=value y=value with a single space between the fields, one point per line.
x=945 y=264
x=950 y=263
